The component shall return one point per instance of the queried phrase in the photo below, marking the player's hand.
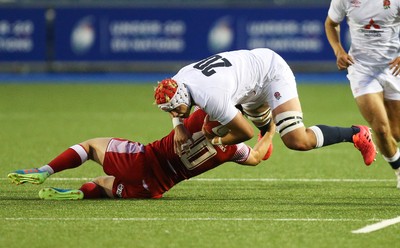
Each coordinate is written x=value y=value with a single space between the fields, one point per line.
x=394 y=66
x=343 y=60
x=182 y=140
x=208 y=135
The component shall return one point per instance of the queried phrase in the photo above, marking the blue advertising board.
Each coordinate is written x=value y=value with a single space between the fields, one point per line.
x=180 y=34
x=22 y=34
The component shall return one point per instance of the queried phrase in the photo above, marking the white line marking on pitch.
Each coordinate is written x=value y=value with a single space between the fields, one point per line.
x=245 y=179
x=367 y=229
x=378 y=226
x=290 y=180
x=185 y=219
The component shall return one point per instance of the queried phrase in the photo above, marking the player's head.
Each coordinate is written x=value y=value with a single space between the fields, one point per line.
x=170 y=95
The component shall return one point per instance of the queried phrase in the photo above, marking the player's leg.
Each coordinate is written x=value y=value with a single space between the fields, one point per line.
x=288 y=118
x=387 y=140
x=384 y=118
x=289 y=122
x=260 y=116
x=96 y=149
x=104 y=187
x=392 y=107
x=373 y=110
x=73 y=157
x=393 y=110
x=100 y=187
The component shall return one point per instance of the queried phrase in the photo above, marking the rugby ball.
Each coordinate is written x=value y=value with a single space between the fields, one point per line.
x=214 y=127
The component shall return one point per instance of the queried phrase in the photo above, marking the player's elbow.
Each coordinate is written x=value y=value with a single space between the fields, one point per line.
x=254 y=159
x=257 y=162
x=329 y=23
x=248 y=134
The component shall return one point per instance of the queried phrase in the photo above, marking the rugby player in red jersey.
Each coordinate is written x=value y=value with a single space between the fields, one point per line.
x=135 y=170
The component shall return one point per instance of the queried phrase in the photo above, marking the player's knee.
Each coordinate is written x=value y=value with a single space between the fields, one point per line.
x=88 y=146
x=96 y=148
x=288 y=125
x=85 y=144
x=394 y=132
x=383 y=132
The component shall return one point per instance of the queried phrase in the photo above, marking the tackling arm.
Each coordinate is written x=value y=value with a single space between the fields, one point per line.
x=181 y=137
x=261 y=147
x=240 y=131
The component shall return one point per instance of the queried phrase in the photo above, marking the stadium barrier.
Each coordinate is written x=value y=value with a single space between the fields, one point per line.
x=152 y=39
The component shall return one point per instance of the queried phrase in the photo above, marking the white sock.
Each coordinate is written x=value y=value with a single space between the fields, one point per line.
x=318 y=135
x=47 y=168
x=394 y=157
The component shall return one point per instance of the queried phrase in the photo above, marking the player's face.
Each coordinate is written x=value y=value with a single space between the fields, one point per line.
x=182 y=111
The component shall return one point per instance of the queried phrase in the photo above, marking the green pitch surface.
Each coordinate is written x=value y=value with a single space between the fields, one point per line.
x=295 y=199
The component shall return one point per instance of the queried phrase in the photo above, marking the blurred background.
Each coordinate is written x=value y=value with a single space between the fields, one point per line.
x=157 y=36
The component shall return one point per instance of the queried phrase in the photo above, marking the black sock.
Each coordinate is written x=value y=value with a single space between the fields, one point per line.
x=396 y=164
x=264 y=128
x=333 y=135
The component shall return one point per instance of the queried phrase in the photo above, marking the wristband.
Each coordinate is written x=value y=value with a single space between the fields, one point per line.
x=176 y=121
x=219 y=142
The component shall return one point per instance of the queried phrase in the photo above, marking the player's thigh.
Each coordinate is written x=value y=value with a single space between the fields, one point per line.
x=290 y=105
x=288 y=116
x=372 y=108
x=97 y=148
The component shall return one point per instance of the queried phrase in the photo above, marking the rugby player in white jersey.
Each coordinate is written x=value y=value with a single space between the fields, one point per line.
x=261 y=82
x=372 y=65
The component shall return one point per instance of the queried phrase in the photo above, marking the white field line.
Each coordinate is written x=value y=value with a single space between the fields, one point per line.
x=369 y=228
x=184 y=219
x=291 y=180
x=378 y=226
x=245 y=179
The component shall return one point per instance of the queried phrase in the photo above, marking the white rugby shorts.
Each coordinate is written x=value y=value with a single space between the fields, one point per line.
x=365 y=80
x=279 y=88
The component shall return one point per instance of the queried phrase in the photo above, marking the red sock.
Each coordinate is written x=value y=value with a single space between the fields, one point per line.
x=70 y=158
x=92 y=191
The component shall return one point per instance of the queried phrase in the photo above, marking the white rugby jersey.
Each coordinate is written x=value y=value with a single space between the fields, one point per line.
x=221 y=81
x=374 y=29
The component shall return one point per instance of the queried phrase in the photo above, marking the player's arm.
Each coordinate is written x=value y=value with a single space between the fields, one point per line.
x=332 y=30
x=261 y=147
x=240 y=131
x=181 y=137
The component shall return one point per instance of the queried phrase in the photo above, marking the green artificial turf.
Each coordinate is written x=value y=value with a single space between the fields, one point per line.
x=295 y=199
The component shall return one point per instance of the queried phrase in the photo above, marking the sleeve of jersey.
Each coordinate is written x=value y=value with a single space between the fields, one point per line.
x=221 y=108
x=337 y=11
x=242 y=153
